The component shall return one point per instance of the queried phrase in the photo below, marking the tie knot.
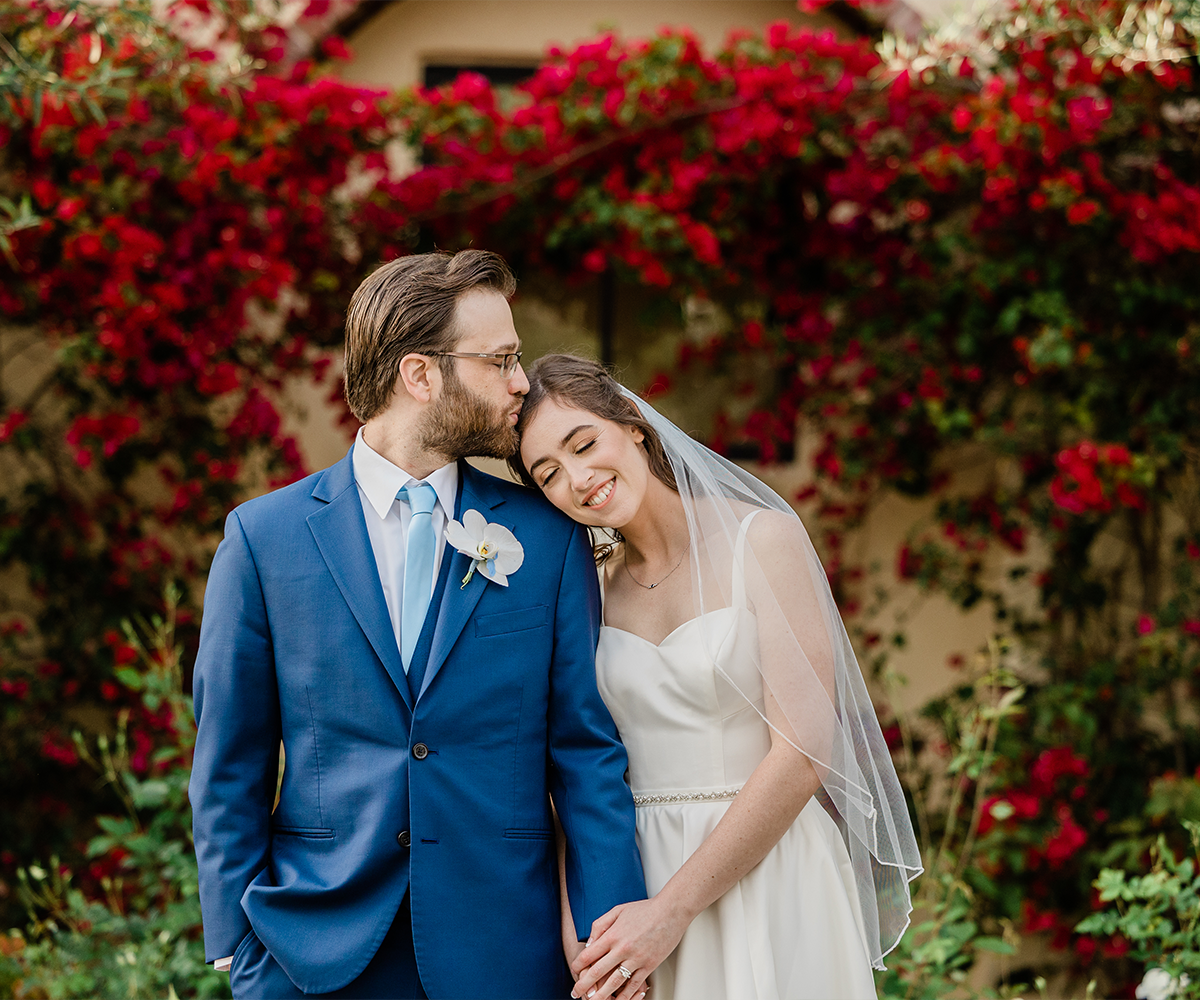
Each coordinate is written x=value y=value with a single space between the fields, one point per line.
x=420 y=496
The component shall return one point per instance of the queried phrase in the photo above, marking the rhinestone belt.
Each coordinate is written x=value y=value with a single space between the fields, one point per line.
x=654 y=800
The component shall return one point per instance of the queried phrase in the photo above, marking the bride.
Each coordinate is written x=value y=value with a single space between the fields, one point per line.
x=774 y=835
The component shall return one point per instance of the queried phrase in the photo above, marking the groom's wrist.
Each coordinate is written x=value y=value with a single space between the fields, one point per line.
x=223 y=964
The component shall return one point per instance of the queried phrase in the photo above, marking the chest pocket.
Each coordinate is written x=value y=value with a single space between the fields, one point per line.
x=512 y=621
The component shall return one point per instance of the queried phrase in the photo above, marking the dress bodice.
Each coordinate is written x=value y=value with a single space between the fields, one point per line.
x=690 y=720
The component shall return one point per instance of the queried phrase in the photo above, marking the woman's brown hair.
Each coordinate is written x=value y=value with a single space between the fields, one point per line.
x=587 y=385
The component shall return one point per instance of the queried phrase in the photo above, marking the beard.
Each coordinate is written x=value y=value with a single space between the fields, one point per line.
x=462 y=424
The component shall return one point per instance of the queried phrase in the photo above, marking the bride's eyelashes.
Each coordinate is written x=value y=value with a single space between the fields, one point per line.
x=578 y=451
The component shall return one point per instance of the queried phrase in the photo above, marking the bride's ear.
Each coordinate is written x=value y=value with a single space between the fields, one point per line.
x=636 y=433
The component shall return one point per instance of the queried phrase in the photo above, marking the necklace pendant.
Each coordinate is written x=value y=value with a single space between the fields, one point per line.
x=651 y=586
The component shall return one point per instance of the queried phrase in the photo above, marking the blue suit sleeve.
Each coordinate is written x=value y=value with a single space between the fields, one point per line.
x=588 y=785
x=236 y=761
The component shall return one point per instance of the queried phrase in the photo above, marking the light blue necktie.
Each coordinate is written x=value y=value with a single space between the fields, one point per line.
x=418 y=565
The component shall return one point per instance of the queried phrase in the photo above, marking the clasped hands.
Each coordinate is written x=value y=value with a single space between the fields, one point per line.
x=627 y=944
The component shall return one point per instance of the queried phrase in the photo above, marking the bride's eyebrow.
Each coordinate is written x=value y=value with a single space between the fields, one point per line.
x=565 y=441
x=570 y=434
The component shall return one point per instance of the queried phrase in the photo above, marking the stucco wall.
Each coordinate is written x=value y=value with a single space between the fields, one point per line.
x=392 y=48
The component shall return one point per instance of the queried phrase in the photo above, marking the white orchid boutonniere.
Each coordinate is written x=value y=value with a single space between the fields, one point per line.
x=494 y=549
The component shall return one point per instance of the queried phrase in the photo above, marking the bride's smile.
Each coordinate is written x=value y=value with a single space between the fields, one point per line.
x=600 y=497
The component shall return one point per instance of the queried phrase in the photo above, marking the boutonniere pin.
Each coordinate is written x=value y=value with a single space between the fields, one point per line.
x=493 y=549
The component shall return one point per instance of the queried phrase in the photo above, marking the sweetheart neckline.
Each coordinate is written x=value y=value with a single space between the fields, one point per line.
x=662 y=642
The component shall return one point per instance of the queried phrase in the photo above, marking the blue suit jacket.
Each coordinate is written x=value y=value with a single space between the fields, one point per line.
x=296 y=645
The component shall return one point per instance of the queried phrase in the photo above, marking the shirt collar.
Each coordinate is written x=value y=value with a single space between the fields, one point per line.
x=380 y=480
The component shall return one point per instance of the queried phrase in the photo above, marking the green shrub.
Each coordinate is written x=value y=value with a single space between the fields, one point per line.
x=142 y=935
x=1159 y=915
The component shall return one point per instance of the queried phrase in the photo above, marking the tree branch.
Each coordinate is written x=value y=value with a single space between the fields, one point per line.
x=564 y=160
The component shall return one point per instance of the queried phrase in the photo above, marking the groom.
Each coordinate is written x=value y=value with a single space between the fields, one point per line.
x=427 y=719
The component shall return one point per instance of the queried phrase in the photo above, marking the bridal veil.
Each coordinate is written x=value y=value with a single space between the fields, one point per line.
x=807 y=666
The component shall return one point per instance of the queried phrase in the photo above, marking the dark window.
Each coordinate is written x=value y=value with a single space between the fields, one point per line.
x=437 y=74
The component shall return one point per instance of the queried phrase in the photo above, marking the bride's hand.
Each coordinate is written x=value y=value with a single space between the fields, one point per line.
x=637 y=936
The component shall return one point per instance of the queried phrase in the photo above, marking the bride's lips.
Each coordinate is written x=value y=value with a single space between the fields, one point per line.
x=605 y=501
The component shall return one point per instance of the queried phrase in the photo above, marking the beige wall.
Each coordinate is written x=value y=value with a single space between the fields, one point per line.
x=392 y=48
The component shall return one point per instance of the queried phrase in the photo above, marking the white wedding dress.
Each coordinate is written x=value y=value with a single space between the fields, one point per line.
x=790 y=929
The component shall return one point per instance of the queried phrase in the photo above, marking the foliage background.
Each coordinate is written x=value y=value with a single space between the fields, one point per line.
x=966 y=269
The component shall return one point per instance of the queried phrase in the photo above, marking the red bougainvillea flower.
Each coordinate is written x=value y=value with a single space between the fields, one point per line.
x=1066 y=840
x=1090 y=478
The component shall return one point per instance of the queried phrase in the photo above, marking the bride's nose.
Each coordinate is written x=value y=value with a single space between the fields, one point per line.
x=581 y=478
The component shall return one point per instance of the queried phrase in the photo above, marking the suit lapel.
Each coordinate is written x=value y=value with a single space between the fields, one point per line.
x=459 y=602
x=341 y=535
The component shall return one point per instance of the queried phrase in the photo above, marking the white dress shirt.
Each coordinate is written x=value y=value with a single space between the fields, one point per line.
x=387 y=518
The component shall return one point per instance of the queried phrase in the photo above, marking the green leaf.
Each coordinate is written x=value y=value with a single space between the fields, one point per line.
x=130 y=678
x=96 y=111
x=1111 y=884
x=149 y=794
x=116 y=826
x=1098 y=924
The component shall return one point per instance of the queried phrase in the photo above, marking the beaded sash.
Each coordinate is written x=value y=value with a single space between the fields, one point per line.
x=723 y=795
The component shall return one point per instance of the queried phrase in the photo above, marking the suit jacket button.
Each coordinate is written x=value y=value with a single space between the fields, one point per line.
x=404 y=838
x=420 y=751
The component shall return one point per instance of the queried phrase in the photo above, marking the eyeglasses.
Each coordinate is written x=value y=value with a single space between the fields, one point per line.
x=508 y=363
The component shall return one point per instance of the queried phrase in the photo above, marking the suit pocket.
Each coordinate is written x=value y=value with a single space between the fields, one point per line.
x=240 y=951
x=515 y=833
x=304 y=832
x=512 y=621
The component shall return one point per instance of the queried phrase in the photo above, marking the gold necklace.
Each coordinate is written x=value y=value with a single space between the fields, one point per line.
x=651 y=586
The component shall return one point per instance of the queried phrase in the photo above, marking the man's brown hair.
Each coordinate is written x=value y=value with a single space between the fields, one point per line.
x=405 y=307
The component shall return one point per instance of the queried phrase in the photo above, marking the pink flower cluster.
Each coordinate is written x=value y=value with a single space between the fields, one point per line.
x=1092 y=476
